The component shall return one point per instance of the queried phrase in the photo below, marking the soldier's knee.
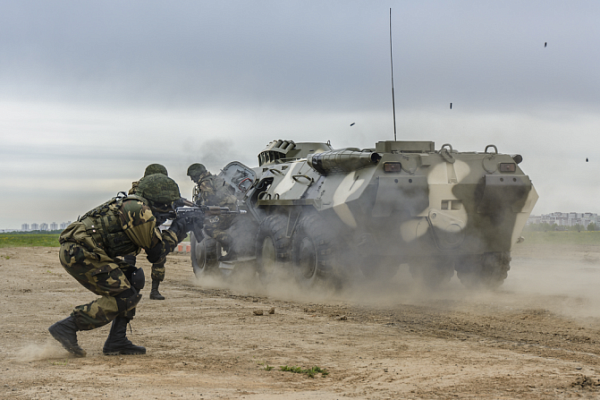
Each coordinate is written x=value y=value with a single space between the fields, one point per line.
x=136 y=277
x=127 y=300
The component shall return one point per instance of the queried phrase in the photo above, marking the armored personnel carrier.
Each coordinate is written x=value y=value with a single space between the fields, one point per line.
x=329 y=215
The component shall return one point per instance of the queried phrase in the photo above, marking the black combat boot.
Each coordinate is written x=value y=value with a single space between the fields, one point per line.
x=154 y=293
x=117 y=342
x=65 y=332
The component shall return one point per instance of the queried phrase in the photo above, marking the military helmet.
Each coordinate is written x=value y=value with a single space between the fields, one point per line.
x=158 y=189
x=196 y=170
x=155 y=169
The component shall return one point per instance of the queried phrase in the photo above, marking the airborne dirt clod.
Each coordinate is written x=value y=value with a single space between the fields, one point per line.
x=537 y=337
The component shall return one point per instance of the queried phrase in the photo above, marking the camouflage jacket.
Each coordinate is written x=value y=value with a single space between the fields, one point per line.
x=119 y=227
x=213 y=191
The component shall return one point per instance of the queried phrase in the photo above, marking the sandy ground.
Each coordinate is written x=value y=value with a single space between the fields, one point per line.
x=537 y=337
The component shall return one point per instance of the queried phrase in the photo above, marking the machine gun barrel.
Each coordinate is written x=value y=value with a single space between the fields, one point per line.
x=340 y=161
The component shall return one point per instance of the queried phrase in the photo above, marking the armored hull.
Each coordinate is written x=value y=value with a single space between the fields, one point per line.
x=331 y=215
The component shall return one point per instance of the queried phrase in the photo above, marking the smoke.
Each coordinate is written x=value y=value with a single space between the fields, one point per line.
x=565 y=286
x=213 y=153
x=37 y=352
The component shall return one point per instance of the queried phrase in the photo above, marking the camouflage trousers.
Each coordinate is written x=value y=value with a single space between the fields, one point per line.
x=216 y=227
x=158 y=272
x=101 y=275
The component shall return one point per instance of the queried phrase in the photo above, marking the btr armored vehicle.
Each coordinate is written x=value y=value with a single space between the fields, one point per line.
x=329 y=215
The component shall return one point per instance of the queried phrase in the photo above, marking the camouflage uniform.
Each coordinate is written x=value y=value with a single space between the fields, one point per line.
x=158 y=270
x=89 y=251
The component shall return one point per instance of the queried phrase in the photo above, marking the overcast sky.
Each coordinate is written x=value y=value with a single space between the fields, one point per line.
x=93 y=92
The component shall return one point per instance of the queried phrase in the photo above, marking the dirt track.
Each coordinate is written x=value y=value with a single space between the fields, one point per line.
x=536 y=337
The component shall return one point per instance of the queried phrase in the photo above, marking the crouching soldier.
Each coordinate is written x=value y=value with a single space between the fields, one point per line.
x=158 y=270
x=89 y=252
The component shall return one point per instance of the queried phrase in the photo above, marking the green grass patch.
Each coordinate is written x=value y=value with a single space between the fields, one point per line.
x=561 y=237
x=32 y=240
x=311 y=372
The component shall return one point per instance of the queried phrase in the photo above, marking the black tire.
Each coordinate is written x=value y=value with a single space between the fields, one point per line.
x=381 y=268
x=487 y=271
x=432 y=272
x=205 y=256
x=314 y=247
x=273 y=248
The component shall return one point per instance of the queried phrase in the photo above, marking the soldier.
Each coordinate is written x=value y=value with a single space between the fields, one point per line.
x=211 y=190
x=158 y=270
x=89 y=250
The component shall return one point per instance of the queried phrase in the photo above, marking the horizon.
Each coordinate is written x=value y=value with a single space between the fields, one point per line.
x=85 y=108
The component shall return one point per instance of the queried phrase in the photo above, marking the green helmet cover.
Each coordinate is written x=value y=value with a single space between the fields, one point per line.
x=196 y=170
x=158 y=188
x=155 y=169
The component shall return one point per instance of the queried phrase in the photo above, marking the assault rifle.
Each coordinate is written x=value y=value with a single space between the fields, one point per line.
x=204 y=211
x=194 y=216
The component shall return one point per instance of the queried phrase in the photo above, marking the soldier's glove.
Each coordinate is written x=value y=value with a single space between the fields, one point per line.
x=197 y=224
x=180 y=227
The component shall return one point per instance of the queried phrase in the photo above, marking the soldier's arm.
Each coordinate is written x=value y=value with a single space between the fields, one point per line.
x=157 y=254
x=140 y=226
x=206 y=188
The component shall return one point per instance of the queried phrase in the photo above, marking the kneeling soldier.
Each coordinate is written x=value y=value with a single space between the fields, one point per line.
x=89 y=250
x=158 y=270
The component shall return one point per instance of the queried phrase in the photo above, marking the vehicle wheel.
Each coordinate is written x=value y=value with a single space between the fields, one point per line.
x=205 y=256
x=432 y=272
x=381 y=268
x=486 y=271
x=273 y=248
x=313 y=251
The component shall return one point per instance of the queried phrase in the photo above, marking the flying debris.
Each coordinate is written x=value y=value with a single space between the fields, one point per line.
x=586 y=160
x=451 y=106
x=545 y=44
x=352 y=124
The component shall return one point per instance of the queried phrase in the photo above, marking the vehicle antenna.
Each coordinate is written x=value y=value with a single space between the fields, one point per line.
x=392 y=65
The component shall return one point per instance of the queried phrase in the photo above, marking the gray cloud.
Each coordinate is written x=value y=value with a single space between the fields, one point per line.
x=480 y=55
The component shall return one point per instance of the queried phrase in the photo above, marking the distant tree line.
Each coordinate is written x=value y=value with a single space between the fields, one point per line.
x=37 y=232
x=545 y=227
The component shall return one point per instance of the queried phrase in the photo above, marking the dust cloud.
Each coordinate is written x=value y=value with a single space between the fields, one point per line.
x=542 y=280
x=37 y=352
x=564 y=286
